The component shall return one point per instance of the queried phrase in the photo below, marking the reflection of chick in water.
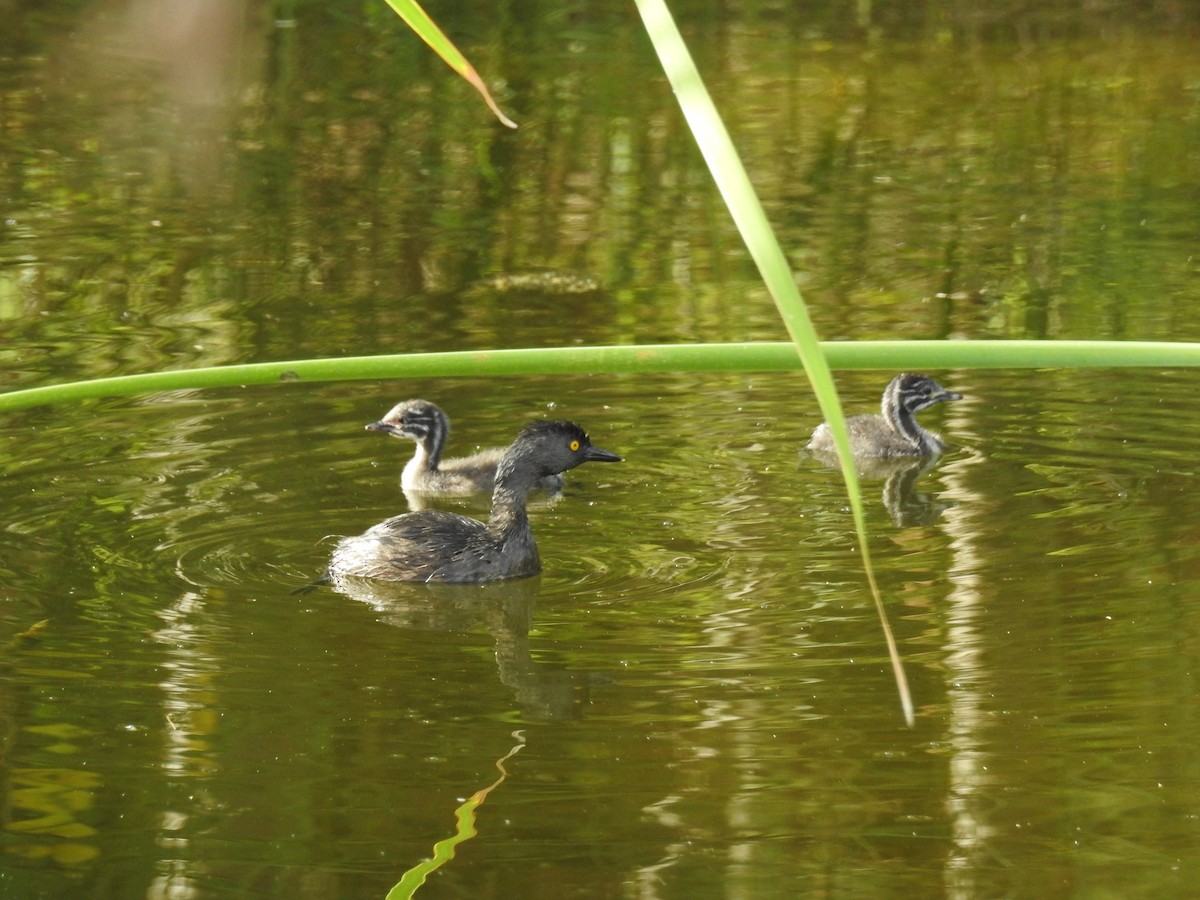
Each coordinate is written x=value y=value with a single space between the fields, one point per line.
x=905 y=504
x=506 y=610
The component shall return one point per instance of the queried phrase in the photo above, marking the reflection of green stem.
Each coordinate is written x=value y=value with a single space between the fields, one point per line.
x=750 y=356
x=443 y=851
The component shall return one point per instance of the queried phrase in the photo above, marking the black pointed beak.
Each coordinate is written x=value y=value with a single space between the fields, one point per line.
x=595 y=454
x=381 y=426
x=948 y=395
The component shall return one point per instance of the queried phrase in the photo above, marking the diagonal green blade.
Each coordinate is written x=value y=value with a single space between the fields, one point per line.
x=743 y=203
x=418 y=20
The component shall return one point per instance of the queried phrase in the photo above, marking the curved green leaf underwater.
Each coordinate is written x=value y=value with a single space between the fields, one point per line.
x=464 y=816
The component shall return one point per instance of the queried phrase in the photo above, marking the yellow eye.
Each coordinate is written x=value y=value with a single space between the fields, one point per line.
x=574 y=445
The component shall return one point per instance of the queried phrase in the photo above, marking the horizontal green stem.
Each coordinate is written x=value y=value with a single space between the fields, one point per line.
x=743 y=357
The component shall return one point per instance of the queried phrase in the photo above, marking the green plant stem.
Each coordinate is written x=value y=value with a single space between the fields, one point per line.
x=742 y=357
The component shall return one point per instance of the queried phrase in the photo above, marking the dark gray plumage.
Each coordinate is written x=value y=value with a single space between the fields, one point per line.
x=433 y=545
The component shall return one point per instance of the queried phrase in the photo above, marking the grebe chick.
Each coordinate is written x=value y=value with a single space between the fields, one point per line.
x=894 y=432
x=427 y=472
x=435 y=545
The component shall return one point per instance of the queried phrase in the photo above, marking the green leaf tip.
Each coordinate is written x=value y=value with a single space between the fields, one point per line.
x=420 y=22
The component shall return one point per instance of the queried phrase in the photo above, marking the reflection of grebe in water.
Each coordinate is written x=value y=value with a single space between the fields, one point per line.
x=427 y=472
x=434 y=545
x=905 y=504
x=895 y=431
x=544 y=691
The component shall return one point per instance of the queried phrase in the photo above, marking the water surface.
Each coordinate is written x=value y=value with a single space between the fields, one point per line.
x=697 y=681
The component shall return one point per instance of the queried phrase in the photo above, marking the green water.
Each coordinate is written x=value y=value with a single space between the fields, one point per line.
x=697 y=681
